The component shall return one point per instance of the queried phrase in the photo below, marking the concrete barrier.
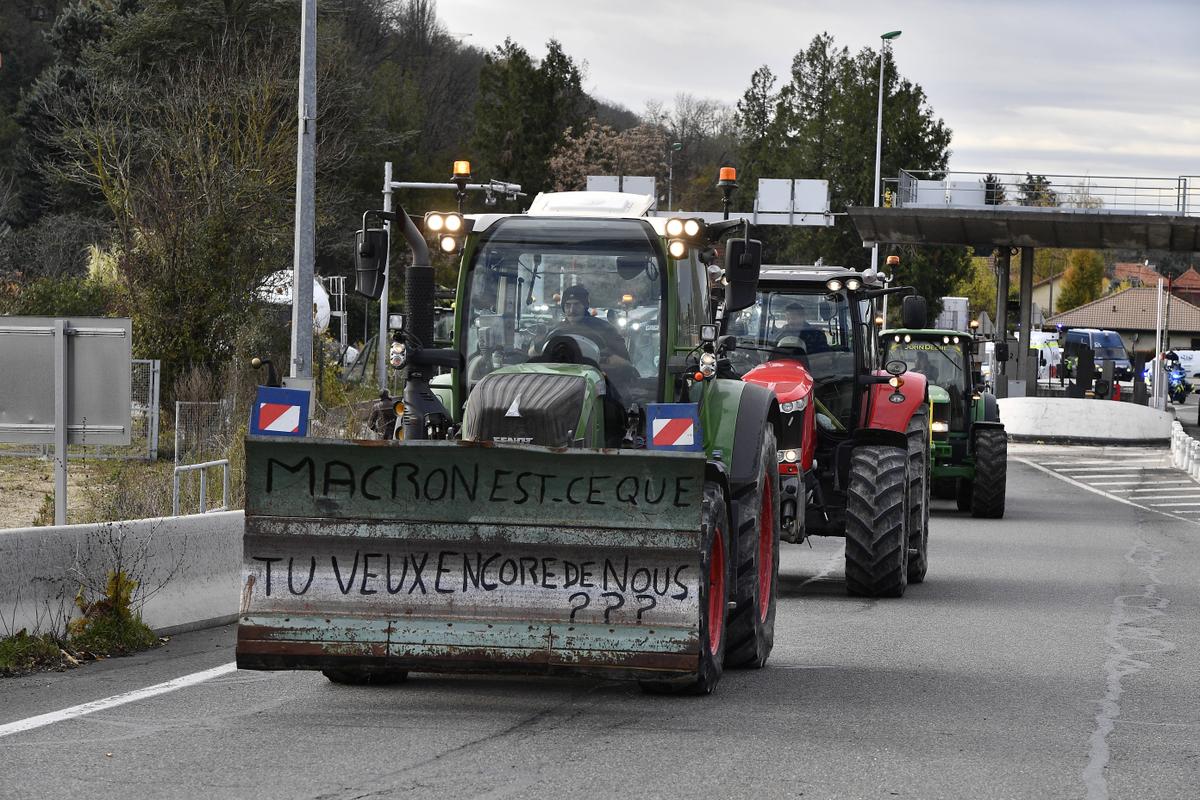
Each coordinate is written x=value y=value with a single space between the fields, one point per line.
x=189 y=569
x=1078 y=421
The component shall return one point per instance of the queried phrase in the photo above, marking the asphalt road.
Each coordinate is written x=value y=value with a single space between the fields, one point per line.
x=1054 y=653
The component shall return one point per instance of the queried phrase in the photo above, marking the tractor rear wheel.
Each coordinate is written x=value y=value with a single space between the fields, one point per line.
x=877 y=522
x=364 y=677
x=756 y=566
x=991 y=473
x=713 y=601
x=919 y=479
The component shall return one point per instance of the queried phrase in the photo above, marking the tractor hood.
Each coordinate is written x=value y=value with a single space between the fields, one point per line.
x=788 y=379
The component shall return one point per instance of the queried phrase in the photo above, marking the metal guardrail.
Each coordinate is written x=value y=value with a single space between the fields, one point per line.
x=202 y=468
x=1080 y=193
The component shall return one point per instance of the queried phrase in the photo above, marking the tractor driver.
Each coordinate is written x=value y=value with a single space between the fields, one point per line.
x=796 y=326
x=577 y=319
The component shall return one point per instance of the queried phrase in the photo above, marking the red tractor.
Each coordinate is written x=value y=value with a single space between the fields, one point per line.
x=853 y=440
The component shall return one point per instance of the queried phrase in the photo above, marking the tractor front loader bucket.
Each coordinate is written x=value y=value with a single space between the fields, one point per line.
x=465 y=557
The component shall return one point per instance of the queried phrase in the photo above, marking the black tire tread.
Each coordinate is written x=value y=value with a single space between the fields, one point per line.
x=991 y=473
x=920 y=475
x=876 y=505
x=750 y=640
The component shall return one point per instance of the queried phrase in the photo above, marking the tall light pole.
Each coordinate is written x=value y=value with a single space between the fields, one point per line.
x=883 y=49
x=304 y=250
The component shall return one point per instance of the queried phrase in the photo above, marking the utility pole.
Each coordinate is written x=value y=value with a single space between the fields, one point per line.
x=305 y=244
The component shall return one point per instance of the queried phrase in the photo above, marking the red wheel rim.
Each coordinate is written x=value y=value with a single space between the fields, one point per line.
x=766 y=548
x=716 y=592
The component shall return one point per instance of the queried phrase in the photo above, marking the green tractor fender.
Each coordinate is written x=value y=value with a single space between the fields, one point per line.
x=986 y=414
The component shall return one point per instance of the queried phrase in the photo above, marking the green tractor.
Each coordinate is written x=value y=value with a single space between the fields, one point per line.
x=578 y=491
x=970 y=446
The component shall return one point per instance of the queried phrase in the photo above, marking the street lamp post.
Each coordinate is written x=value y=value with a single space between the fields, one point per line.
x=887 y=37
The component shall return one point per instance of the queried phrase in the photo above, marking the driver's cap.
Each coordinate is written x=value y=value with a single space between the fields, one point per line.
x=576 y=292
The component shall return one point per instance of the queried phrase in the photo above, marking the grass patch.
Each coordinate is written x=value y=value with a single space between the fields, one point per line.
x=22 y=653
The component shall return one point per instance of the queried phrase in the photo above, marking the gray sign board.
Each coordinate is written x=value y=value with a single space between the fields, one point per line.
x=98 y=355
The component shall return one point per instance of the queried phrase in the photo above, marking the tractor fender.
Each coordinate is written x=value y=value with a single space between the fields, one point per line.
x=990 y=408
x=980 y=425
x=732 y=417
x=882 y=413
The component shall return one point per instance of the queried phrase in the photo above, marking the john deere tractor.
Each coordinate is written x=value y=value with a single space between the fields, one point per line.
x=579 y=492
x=970 y=446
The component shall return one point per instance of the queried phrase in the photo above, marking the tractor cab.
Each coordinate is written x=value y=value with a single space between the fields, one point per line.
x=944 y=358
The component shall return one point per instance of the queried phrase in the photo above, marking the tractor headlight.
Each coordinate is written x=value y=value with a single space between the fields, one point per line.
x=853 y=284
x=708 y=364
x=677 y=248
x=833 y=285
x=787 y=456
x=397 y=355
x=792 y=406
x=941 y=427
x=674 y=227
x=691 y=228
x=448 y=244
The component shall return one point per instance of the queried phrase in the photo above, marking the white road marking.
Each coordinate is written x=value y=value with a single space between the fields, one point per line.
x=1131 y=636
x=1092 y=488
x=1167 y=505
x=1102 y=483
x=1104 y=475
x=1167 y=489
x=41 y=720
x=1113 y=468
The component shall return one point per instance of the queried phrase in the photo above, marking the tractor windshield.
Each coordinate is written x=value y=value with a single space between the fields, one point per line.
x=595 y=282
x=816 y=329
x=941 y=362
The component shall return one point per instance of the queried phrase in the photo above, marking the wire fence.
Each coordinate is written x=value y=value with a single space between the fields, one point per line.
x=145 y=375
x=1079 y=193
x=203 y=431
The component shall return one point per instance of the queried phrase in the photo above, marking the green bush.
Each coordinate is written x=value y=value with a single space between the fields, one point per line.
x=21 y=653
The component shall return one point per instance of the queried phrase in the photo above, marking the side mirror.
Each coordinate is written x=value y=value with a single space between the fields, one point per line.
x=370 y=257
x=727 y=344
x=912 y=313
x=743 y=261
x=1001 y=351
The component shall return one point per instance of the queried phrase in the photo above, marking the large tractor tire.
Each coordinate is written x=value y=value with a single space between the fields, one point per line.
x=362 y=677
x=920 y=478
x=714 y=599
x=991 y=473
x=756 y=517
x=877 y=522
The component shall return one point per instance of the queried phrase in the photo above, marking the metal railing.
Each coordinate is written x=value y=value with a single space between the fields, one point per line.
x=1097 y=194
x=202 y=468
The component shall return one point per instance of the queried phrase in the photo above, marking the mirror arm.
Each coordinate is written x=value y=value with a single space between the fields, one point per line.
x=903 y=291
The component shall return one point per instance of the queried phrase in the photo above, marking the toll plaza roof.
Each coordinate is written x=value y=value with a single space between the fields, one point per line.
x=999 y=226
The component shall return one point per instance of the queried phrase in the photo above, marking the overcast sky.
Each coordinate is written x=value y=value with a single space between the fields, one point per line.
x=1047 y=86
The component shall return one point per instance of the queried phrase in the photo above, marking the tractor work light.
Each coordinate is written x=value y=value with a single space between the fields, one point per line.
x=907 y=338
x=397 y=355
x=945 y=340
x=941 y=427
x=787 y=456
x=627 y=299
x=679 y=227
x=437 y=221
x=792 y=406
x=853 y=284
x=879 y=321
x=708 y=365
x=448 y=243
x=956 y=340
x=677 y=249
x=834 y=284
